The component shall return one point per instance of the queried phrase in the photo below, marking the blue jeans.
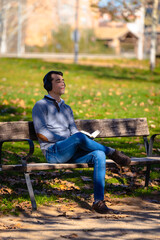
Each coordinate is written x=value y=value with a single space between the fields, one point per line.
x=78 y=148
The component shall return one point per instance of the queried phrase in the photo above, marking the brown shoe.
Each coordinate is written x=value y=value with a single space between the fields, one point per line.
x=120 y=158
x=100 y=207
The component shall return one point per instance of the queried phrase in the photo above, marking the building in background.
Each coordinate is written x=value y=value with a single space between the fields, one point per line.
x=49 y=15
x=117 y=36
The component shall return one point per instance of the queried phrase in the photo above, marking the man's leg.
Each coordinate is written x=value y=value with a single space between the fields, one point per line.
x=98 y=158
x=64 y=150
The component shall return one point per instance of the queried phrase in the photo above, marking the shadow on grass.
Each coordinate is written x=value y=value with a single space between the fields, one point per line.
x=108 y=73
x=10 y=113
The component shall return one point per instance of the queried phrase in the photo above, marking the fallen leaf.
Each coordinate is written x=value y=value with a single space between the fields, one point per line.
x=5 y=102
x=70 y=236
x=96 y=99
x=43 y=67
x=5 y=160
x=87 y=101
x=22 y=103
x=72 y=103
x=150 y=101
x=141 y=104
x=143 y=153
x=84 y=105
x=98 y=94
x=77 y=216
x=33 y=100
x=118 y=93
x=85 y=179
x=83 y=87
x=87 y=186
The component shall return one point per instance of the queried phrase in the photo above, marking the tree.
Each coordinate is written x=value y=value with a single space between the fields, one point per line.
x=119 y=9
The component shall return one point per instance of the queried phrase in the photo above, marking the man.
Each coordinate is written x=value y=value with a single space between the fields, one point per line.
x=61 y=141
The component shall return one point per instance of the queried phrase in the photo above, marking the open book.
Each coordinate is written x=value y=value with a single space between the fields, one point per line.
x=91 y=135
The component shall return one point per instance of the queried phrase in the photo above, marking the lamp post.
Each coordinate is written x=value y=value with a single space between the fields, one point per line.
x=76 y=34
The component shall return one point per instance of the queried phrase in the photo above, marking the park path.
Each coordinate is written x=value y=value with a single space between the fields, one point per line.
x=137 y=219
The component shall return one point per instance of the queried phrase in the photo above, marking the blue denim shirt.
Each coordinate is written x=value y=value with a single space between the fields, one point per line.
x=53 y=124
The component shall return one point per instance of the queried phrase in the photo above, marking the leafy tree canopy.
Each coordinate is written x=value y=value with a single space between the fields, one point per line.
x=119 y=9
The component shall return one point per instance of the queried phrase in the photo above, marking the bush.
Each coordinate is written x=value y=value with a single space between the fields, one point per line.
x=62 y=42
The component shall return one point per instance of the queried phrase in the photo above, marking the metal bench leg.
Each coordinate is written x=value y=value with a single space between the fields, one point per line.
x=30 y=190
x=147 y=175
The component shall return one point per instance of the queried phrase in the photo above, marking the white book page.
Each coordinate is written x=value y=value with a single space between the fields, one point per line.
x=92 y=135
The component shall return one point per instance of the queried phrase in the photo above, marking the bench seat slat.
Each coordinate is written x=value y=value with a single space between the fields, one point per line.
x=48 y=166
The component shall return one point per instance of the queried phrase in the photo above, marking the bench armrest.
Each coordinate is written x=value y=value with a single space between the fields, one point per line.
x=151 y=141
x=24 y=158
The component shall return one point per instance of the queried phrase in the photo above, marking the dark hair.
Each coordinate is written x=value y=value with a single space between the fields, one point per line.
x=47 y=80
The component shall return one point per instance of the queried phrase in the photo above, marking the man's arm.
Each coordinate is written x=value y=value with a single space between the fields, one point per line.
x=39 y=114
x=72 y=125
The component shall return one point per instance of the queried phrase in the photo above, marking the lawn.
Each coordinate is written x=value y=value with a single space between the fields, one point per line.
x=123 y=90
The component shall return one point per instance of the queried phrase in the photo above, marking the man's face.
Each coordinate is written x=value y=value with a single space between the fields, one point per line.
x=58 y=85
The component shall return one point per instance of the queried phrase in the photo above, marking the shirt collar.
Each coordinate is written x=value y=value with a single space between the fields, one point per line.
x=59 y=103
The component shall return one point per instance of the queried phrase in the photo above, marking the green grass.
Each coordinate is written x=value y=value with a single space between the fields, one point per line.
x=126 y=90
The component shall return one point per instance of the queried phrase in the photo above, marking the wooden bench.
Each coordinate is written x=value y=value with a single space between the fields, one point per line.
x=24 y=131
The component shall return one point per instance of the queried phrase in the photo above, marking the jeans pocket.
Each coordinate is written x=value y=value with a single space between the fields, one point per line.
x=52 y=149
x=50 y=154
x=51 y=158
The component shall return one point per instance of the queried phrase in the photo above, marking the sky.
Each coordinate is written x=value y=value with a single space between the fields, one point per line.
x=103 y=3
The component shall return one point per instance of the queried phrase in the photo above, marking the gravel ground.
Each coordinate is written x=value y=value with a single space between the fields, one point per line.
x=136 y=219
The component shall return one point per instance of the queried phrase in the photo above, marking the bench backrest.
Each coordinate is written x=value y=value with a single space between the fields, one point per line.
x=107 y=127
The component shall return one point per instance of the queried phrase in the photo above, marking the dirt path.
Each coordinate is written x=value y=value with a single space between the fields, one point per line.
x=137 y=219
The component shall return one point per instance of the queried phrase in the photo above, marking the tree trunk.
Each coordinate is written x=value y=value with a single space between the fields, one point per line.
x=3 y=48
x=153 y=35
x=141 y=34
x=19 y=33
